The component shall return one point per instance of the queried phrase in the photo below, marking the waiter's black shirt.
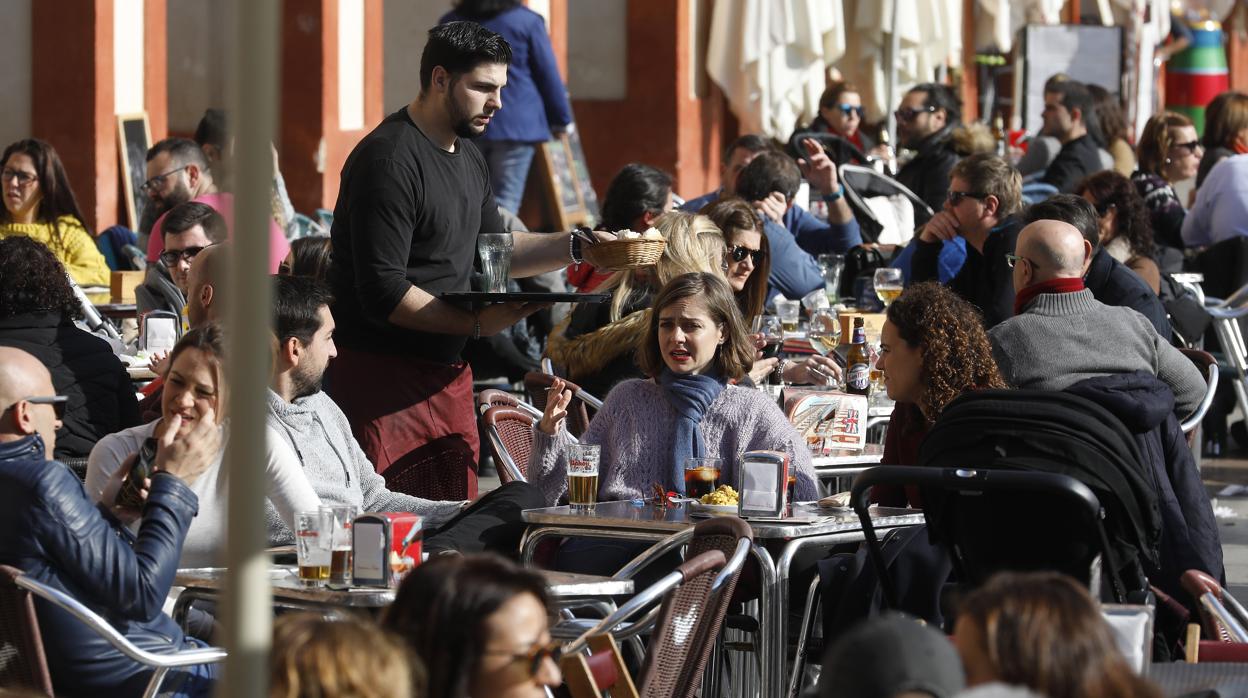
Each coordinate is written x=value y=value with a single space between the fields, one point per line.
x=408 y=213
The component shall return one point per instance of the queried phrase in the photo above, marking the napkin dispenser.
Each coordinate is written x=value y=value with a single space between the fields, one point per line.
x=764 y=478
x=385 y=546
x=161 y=331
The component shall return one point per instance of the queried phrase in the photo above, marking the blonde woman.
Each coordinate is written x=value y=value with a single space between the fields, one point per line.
x=596 y=346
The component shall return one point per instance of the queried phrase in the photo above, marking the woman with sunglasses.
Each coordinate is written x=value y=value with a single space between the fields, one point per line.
x=37 y=313
x=1125 y=231
x=40 y=204
x=1169 y=151
x=748 y=268
x=479 y=625
x=841 y=113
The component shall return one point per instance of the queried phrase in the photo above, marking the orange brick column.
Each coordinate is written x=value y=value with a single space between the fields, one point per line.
x=72 y=96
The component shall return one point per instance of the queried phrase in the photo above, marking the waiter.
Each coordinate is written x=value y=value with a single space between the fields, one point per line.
x=415 y=194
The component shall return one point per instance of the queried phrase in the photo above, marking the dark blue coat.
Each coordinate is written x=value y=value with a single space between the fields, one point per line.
x=52 y=531
x=534 y=98
x=1189 y=532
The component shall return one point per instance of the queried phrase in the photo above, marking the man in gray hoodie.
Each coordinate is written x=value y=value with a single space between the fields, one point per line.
x=306 y=425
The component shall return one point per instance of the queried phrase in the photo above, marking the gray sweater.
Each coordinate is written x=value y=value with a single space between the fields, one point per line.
x=1063 y=338
x=635 y=428
x=316 y=434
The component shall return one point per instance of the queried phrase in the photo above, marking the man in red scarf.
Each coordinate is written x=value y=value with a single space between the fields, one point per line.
x=1061 y=335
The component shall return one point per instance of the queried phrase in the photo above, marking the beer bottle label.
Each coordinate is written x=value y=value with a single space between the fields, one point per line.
x=858 y=377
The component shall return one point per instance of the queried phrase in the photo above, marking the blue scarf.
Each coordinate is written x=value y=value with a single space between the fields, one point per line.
x=690 y=396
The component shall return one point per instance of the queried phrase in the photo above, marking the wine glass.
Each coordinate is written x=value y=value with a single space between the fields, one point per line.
x=825 y=330
x=770 y=329
x=888 y=284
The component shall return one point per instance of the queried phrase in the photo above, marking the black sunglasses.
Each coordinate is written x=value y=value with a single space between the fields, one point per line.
x=534 y=657
x=955 y=197
x=847 y=109
x=171 y=257
x=57 y=402
x=739 y=253
x=907 y=114
x=1190 y=145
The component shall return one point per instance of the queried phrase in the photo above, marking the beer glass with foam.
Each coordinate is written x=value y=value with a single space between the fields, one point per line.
x=312 y=534
x=583 y=476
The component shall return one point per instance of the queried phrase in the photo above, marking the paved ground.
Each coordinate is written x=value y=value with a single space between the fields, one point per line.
x=1219 y=474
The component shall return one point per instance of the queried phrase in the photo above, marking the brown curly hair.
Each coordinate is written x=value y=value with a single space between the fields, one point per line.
x=1110 y=188
x=950 y=336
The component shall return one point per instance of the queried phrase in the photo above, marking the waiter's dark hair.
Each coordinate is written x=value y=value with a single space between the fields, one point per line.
x=1067 y=208
x=460 y=47
x=297 y=303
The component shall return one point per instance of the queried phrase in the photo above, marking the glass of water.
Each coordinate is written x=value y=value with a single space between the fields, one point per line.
x=495 y=252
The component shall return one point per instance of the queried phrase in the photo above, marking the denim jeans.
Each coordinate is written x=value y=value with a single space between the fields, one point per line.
x=509 y=163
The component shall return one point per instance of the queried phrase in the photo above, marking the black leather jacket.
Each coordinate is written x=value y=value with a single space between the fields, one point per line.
x=52 y=531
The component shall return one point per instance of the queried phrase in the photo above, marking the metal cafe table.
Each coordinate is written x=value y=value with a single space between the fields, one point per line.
x=809 y=526
x=207 y=583
x=836 y=470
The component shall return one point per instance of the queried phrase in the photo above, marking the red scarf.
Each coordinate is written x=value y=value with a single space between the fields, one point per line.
x=1029 y=294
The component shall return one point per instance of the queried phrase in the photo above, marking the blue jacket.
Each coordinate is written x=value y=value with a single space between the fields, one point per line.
x=813 y=235
x=52 y=531
x=794 y=273
x=1189 y=532
x=534 y=98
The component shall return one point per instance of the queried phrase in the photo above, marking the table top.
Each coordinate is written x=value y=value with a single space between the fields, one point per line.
x=287 y=586
x=869 y=454
x=809 y=520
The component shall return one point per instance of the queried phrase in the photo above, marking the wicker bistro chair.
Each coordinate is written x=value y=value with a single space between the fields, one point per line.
x=600 y=674
x=670 y=668
x=509 y=431
x=159 y=662
x=22 y=662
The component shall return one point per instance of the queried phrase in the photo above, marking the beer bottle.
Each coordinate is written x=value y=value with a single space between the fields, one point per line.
x=999 y=137
x=858 y=362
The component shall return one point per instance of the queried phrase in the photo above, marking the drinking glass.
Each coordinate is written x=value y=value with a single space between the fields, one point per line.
x=313 y=535
x=495 y=252
x=768 y=327
x=831 y=266
x=702 y=476
x=583 y=476
x=340 y=520
x=888 y=284
x=825 y=330
x=790 y=312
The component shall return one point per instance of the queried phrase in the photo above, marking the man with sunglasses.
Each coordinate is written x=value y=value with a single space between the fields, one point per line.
x=926 y=117
x=53 y=533
x=178 y=172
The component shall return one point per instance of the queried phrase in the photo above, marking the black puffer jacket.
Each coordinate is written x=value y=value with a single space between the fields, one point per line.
x=52 y=531
x=84 y=368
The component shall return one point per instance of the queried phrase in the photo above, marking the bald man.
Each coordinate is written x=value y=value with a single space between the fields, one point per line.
x=1061 y=335
x=205 y=283
x=51 y=531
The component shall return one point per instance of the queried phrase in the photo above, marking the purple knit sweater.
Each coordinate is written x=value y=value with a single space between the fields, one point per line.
x=635 y=429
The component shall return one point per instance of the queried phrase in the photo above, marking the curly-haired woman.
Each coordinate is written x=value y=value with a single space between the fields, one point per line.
x=1126 y=233
x=37 y=313
x=39 y=204
x=932 y=348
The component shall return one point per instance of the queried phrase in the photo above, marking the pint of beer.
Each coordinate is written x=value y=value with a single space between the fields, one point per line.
x=340 y=518
x=583 y=475
x=313 y=535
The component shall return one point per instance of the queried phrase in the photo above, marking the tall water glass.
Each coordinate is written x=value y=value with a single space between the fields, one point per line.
x=340 y=520
x=583 y=476
x=495 y=252
x=831 y=266
x=313 y=534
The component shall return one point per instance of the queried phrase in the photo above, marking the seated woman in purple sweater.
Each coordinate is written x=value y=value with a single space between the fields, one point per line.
x=695 y=349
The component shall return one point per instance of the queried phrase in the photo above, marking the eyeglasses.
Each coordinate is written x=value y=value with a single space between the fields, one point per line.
x=1191 y=147
x=907 y=114
x=24 y=179
x=1012 y=259
x=740 y=252
x=955 y=197
x=57 y=402
x=172 y=257
x=533 y=659
x=847 y=109
x=156 y=182
x=1103 y=210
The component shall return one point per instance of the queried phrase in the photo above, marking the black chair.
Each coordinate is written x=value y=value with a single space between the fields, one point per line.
x=986 y=520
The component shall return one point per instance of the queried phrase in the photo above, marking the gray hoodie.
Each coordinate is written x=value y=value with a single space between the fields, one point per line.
x=314 y=431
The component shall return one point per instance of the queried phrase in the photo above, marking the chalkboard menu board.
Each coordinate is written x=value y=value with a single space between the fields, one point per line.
x=134 y=137
x=565 y=179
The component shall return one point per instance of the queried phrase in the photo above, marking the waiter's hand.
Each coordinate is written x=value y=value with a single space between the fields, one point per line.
x=498 y=317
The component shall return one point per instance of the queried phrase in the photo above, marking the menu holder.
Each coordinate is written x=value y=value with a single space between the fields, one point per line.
x=826 y=419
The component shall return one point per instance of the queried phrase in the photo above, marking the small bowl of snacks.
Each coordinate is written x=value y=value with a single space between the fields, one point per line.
x=629 y=250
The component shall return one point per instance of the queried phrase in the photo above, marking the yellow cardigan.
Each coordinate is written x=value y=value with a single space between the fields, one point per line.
x=75 y=248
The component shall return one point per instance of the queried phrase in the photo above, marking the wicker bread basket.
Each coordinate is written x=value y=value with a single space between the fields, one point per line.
x=631 y=253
